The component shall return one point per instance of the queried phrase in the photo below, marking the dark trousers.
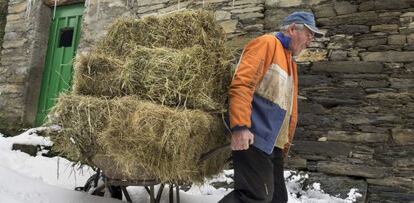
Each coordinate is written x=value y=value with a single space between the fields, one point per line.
x=258 y=177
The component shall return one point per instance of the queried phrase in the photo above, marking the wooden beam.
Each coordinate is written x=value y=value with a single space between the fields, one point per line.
x=51 y=3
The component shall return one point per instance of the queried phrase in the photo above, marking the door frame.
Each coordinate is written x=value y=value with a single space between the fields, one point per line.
x=33 y=83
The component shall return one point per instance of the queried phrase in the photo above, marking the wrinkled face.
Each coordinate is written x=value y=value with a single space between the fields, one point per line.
x=301 y=38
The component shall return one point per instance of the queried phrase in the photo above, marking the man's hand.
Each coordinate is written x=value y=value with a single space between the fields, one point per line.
x=241 y=139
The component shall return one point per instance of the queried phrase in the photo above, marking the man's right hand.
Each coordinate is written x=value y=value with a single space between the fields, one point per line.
x=241 y=139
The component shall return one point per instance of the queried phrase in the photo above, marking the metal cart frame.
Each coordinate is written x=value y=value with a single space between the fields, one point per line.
x=107 y=186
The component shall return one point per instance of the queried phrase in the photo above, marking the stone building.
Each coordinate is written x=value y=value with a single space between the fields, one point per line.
x=356 y=105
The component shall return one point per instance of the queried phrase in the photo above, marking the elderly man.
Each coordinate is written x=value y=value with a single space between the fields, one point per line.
x=263 y=110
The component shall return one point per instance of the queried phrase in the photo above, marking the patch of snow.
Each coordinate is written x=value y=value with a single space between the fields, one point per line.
x=42 y=180
x=20 y=188
x=353 y=195
x=30 y=137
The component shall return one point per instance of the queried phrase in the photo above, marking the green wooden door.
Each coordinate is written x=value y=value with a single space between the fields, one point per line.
x=63 y=40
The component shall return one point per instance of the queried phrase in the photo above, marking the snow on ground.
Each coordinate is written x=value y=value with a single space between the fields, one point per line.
x=40 y=179
x=18 y=188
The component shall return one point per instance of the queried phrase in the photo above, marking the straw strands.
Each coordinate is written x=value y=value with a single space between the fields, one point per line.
x=193 y=77
x=177 y=30
x=139 y=137
x=147 y=101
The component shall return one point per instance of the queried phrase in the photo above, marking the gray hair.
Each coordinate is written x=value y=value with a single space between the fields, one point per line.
x=284 y=28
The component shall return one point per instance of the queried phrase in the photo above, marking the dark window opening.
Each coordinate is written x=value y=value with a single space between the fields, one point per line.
x=66 y=37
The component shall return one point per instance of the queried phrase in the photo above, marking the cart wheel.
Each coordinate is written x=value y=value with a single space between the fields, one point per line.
x=116 y=192
x=98 y=191
x=107 y=191
x=95 y=185
x=92 y=184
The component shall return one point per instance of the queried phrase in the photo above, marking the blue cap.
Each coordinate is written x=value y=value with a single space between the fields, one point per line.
x=305 y=18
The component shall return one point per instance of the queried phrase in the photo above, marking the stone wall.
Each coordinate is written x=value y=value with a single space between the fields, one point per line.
x=356 y=122
x=3 y=15
x=356 y=107
x=22 y=60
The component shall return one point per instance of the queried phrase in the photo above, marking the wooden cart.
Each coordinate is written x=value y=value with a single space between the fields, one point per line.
x=109 y=183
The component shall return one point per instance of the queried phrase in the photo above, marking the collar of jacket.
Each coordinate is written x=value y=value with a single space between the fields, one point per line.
x=285 y=40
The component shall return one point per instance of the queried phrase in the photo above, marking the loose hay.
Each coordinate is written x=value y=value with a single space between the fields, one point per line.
x=97 y=74
x=177 y=60
x=193 y=77
x=178 y=30
x=136 y=135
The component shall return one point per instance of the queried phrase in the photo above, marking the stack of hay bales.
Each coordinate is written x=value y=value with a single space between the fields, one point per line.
x=147 y=100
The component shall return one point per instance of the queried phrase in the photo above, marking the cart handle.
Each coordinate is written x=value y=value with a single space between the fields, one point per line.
x=213 y=152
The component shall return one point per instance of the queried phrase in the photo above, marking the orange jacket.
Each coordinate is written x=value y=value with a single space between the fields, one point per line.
x=263 y=93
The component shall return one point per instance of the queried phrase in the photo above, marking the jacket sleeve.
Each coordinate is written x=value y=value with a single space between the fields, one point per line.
x=254 y=62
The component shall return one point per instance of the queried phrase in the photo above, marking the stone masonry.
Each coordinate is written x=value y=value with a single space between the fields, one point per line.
x=356 y=105
x=3 y=15
x=22 y=59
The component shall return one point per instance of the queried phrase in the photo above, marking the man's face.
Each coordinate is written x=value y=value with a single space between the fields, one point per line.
x=300 y=39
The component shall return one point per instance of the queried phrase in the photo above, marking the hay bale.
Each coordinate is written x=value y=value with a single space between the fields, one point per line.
x=82 y=118
x=139 y=137
x=179 y=60
x=97 y=74
x=112 y=169
x=177 y=30
x=192 y=77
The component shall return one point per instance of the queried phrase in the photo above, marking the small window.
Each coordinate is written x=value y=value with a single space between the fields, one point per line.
x=66 y=37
